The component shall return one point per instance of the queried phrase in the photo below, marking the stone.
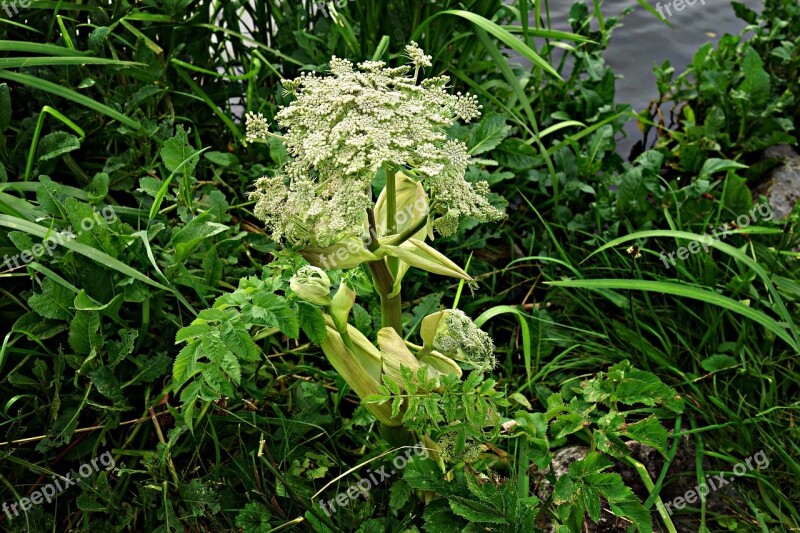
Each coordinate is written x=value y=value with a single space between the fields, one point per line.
x=782 y=188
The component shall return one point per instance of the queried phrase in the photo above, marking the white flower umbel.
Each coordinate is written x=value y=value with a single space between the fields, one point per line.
x=417 y=55
x=256 y=127
x=342 y=128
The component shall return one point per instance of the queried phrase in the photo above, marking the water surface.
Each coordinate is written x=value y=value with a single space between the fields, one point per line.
x=643 y=41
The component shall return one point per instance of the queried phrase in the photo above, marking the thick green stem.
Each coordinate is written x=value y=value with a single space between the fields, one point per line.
x=391 y=211
x=391 y=307
x=392 y=313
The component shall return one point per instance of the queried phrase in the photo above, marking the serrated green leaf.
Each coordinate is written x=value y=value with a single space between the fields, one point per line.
x=83 y=332
x=564 y=490
x=106 y=384
x=193 y=331
x=439 y=518
x=391 y=385
x=214 y=349
x=312 y=322
x=566 y=425
x=176 y=150
x=591 y=501
x=476 y=512
x=271 y=310
x=185 y=358
x=650 y=432
x=236 y=337
x=55 y=301
x=488 y=133
x=230 y=365
x=621 y=499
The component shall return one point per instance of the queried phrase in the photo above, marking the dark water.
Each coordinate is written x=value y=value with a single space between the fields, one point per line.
x=643 y=41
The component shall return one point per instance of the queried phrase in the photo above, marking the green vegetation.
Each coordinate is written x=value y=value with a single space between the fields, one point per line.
x=246 y=351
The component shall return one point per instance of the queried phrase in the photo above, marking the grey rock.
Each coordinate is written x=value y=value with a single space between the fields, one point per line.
x=782 y=188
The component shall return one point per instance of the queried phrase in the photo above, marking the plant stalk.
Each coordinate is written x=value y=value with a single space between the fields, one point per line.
x=391 y=212
x=391 y=307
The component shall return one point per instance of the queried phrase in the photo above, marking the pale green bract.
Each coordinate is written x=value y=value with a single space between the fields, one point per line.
x=342 y=128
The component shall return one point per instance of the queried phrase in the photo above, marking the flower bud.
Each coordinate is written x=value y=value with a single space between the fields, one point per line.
x=341 y=305
x=454 y=334
x=311 y=284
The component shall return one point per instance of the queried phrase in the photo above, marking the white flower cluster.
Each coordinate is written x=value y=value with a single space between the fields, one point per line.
x=417 y=55
x=256 y=127
x=458 y=337
x=342 y=128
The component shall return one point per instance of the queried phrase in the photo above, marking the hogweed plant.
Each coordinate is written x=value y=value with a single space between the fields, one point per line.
x=343 y=131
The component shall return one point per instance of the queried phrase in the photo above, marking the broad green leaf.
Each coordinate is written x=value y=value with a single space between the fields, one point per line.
x=106 y=384
x=98 y=189
x=622 y=500
x=176 y=150
x=487 y=134
x=55 y=301
x=649 y=432
x=718 y=362
x=756 y=83
x=312 y=322
x=84 y=332
x=714 y=165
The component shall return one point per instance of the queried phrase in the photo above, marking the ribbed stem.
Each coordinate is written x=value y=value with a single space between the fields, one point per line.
x=391 y=307
x=391 y=211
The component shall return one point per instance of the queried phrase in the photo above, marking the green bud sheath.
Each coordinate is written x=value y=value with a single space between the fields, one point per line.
x=312 y=285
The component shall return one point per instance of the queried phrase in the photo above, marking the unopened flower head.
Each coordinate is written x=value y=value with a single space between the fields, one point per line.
x=342 y=128
x=458 y=337
x=447 y=449
x=312 y=285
